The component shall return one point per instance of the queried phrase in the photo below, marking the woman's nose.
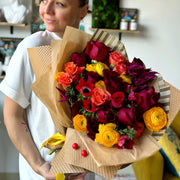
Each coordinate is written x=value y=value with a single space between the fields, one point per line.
x=49 y=9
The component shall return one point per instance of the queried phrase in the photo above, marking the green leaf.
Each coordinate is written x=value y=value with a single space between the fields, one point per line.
x=129 y=132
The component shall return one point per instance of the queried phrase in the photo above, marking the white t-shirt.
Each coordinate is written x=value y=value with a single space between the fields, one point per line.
x=17 y=86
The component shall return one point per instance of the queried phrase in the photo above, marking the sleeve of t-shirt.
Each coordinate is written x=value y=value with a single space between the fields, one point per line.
x=19 y=76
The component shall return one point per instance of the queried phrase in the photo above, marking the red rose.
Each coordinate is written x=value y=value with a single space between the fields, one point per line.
x=112 y=81
x=116 y=58
x=100 y=96
x=117 y=99
x=71 y=68
x=79 y=59
x=97 y=51
x=64 y=79
x=120 y=68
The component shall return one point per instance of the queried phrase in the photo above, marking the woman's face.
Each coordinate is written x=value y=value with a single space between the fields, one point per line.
x=57 y=14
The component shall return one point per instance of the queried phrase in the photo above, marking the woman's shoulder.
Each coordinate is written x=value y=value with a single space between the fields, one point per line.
x=40 y=38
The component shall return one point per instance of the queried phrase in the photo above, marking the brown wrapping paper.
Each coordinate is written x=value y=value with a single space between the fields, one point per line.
x=48 y=60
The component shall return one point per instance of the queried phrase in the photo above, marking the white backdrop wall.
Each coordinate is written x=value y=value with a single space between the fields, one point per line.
x=158 y=43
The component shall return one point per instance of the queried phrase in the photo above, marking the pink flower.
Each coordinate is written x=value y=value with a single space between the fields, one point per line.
x=116 y=58
x=97 y=51
x=124 y=141
x=100 y=96
x=117 y=99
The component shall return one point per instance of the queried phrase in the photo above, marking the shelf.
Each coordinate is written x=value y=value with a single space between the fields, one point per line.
x=11 y=24
x=116 y=30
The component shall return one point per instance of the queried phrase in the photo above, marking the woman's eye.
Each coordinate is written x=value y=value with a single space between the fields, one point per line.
x=59 y=4
x=42 y=1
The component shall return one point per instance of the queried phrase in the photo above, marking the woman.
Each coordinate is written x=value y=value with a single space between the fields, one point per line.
x=25 y=117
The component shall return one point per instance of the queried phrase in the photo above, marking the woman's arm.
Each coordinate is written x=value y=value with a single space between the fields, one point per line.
x=16 y=124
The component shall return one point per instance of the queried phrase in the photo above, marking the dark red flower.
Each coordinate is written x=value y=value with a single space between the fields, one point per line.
x=89 y=106
x=92 y=126
x=79 y=59
x=139 y=74
x=106 y=116
x=125 y=142
x=117 y=99
x=126 y=115
x=76 y=108
x=139 y=129
x=97 y=51
x=147 y=99
x=112 y=81
x=92 y=76
x=85 y=88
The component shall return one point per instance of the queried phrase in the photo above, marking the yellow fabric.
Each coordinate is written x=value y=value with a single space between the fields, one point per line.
x=60 y=177
x=146 y=169
x=171 y=146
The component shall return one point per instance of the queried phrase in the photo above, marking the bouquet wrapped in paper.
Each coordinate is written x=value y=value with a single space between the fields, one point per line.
x=99 y=101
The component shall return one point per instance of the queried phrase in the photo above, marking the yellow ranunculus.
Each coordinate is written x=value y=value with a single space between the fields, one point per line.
x=91 y=67
x=80 y=123
x=126 y=79
x=100 y=67
x=107 y=135
x=155 y=119
x=101 y=85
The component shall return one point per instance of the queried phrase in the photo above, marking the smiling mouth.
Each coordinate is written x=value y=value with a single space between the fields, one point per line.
x=49 y=20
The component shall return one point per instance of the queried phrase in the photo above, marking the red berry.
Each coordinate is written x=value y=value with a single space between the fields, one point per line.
x=75 y=146
x=84 y=153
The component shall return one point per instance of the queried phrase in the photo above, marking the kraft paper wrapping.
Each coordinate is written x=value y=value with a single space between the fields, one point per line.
x=46 y=61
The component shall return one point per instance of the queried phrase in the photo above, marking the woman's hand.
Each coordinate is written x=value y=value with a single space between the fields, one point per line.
x=75 y=177
x=44 y=170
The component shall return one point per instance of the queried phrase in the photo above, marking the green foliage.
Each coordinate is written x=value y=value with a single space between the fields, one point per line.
x=88 y=114
x=106 y=14
x=128 y=132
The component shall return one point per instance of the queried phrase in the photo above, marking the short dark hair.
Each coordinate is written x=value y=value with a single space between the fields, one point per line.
x=83 y=2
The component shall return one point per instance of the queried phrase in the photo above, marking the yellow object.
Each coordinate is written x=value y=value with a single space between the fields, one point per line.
x=100 y=67
x=153 y=167
x=57 y=75
x=56 y=139
x=155 y=119
x=91 y=67
x=101 y=85
x=126 y=79
x=60 y=176
x=80 y=123
x=107 y=135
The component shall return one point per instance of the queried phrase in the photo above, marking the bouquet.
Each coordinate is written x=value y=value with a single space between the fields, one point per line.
x=110 y=98
x=118 y=104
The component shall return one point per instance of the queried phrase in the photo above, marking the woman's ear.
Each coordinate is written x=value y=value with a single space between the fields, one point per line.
x=84 y=11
